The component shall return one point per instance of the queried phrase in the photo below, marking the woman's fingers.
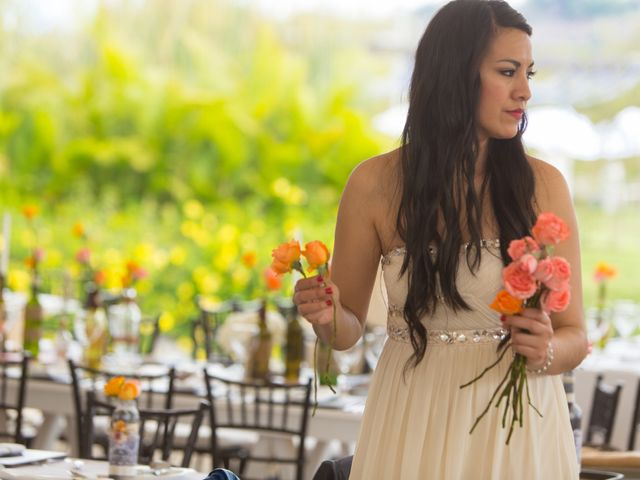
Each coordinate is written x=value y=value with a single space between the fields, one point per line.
x=315 y=298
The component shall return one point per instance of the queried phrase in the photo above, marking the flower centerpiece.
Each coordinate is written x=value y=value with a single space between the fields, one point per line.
x=602 y=274
x=124 y=434
x=534 y=279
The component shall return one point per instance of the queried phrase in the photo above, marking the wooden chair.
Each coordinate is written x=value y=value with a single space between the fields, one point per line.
x=157 y=429
x=157 y=392
x=265 y=408
x=603 y=414
x=636 y=419
x=11 y=410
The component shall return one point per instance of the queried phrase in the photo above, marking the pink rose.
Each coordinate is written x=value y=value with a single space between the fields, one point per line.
x=560 y=274
x=550 y=229
x=519 y=247
x=556 y=300
x=529 y=262
x=544 y=271
x=518 y=280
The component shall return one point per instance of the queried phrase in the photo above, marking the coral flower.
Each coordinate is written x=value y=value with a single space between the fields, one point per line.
x=550 y=229
x=604 y=271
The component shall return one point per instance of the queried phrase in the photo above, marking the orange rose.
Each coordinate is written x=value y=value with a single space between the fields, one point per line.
x=249 y=259
x=113 y=386
x=129 y=391
x=272 y=279
x=100 y=277
x=317 y=254
x=550 y=229
x=285 y=256
x=30 y=211
x=506 y=303
x=604 y=271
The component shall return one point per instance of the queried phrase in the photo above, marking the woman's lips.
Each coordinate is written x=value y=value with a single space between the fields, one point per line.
x=517 y=113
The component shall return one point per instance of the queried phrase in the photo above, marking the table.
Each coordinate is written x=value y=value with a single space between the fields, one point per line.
x=59 y=469
x=52 y=395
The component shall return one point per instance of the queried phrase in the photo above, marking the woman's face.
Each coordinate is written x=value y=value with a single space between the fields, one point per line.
x=504 y=91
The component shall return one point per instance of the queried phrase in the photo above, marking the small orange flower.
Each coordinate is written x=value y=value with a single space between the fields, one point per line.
x=30 y=211
x=285 y=257
x=129 y=391
x=249 y=259
x=100 y=277
x=113 y=386
x=317 y=254
x=119 y=426
x=604 y=271
x=78 y=230
x=272 y=279
x=507 y=304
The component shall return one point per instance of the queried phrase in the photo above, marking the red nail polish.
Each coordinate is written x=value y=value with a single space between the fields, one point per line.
x=319 y=279
x=503 y=317
x=328 y=290
x=329 y=302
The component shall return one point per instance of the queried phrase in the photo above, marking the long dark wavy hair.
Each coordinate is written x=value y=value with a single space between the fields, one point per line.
x=438 y=161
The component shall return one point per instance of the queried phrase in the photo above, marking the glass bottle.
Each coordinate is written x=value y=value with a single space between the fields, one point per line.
x=33 y=319
x=124 y=324
x=294 y=348
x=575 y=412
x=124 y=439
x=260 y=349
x=95 y=327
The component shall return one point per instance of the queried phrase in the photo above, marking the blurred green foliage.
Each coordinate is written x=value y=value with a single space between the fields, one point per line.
x=181 y=137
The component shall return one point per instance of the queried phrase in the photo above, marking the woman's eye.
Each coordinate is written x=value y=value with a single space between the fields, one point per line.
x=531 y=74
x=508 y=73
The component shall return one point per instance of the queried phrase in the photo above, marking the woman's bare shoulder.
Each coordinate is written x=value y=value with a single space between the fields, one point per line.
x=376 y=176
x=550 y=183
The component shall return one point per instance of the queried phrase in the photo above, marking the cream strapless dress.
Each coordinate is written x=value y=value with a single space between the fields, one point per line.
x=417 y=427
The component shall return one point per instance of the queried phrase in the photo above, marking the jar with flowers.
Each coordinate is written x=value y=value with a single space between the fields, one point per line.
x=124 y=432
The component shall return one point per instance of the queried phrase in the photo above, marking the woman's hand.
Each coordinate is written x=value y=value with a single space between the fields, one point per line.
x=315 y=298
x=531 y=332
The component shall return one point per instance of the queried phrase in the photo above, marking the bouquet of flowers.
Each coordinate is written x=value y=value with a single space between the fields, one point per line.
x=534 y=279
x=286 y=257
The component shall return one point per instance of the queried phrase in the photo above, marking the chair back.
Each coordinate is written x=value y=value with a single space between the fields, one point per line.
x=149 y=333
x=260 y=407
x=603 y=413
x=157 y=429
x=334 y=469
x=156 y=391
x=13 y=367
x=635 y=421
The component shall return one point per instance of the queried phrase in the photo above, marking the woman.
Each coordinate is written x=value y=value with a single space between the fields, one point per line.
x=440 y=212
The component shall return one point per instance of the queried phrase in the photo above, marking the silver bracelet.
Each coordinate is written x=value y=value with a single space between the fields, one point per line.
x=547 y=363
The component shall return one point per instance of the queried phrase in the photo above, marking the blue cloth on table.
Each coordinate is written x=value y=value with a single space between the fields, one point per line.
x=222 y=474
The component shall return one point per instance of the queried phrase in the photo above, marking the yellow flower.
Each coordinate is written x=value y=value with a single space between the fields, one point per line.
x=604 y=271
x=78 y=230
x=113 y=386
x=129 y=391
x=30 y=211
x=249 y=259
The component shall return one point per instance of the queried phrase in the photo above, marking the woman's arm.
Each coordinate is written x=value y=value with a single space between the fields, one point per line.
x=356 y=255
x=565 y=330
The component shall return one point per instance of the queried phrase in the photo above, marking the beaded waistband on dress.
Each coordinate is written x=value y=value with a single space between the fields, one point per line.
x=447 y=337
